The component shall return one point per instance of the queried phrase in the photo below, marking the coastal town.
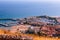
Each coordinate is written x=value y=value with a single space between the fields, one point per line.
x=28 y=28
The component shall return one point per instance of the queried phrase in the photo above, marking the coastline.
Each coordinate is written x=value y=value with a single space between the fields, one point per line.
x=37 y=28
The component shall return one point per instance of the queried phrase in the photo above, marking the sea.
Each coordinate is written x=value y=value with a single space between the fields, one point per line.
x=27 y=9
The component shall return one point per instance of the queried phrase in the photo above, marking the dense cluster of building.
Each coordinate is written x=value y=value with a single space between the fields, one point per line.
x=39 y=25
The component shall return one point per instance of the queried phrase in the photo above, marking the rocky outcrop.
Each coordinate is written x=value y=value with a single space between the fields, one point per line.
x=7 y=35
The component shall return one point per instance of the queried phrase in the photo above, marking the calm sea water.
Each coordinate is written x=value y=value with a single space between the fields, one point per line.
x=25 y=9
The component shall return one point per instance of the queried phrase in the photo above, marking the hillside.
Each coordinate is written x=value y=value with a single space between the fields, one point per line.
x=30 y=28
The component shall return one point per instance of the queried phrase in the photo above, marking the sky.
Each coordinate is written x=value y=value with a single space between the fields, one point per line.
x=34 y=0
x=51 y=1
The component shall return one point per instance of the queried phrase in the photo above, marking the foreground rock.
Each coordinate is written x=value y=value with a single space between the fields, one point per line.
x=7 y=35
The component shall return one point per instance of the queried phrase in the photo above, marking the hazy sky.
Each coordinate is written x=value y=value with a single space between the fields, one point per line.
x=35 y=0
